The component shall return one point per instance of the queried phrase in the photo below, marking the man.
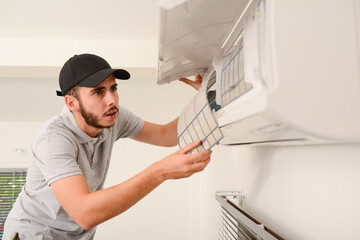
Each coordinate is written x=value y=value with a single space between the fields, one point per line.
x=64 y=196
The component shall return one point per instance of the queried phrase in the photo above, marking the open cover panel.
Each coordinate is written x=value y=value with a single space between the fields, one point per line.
x=191 y=33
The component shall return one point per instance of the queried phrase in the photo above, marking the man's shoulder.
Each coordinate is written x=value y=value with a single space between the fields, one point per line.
x=55 y=127
x=54 y=137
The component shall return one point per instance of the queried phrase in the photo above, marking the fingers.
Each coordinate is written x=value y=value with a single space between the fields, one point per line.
x=198 y=78
x=189 y=147
x=187 y=81
x=195 y=157
x=198 y=166
x=195 y=84
x=181 y=164
x=199 y=157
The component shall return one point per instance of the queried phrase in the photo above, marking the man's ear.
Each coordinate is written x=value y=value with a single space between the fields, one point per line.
x=72 y=103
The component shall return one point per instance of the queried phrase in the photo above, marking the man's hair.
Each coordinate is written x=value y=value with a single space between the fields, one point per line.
x=73 y=92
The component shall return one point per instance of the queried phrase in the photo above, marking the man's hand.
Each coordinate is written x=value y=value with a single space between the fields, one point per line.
x=181 y=164
x=195 y=84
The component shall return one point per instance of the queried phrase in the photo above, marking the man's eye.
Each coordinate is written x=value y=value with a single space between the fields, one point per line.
x=114 y=89
x=97 y=92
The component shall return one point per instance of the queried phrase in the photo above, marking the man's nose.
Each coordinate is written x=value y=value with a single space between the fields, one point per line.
x=110 y=98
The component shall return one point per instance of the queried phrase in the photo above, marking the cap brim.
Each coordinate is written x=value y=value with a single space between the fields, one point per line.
x=98 y=77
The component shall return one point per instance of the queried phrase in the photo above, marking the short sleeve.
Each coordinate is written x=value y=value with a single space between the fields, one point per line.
x=128 y=125
x=55 y=156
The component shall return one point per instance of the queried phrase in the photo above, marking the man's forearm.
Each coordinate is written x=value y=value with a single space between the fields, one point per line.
x=102 y=205
x=160 y=135
x=172 y=132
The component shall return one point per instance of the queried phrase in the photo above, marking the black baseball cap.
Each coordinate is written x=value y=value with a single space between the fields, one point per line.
x=86 y=70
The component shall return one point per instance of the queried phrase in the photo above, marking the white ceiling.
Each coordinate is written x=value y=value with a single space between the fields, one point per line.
x=33 y=98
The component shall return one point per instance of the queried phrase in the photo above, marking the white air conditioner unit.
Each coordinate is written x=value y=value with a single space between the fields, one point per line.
x=281 y=72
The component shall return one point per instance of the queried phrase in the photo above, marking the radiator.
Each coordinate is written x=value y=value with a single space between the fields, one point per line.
x=235 y=223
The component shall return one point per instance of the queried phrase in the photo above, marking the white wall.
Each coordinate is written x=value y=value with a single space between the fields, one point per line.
x=16 y=135
x=300 y=192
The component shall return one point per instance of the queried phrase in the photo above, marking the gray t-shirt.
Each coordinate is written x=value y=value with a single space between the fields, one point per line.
x=60 y=150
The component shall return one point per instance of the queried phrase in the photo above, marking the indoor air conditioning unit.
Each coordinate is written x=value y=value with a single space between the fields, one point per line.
x=279 y=72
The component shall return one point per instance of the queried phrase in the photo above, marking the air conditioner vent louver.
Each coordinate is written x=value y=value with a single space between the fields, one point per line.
x=235 y=224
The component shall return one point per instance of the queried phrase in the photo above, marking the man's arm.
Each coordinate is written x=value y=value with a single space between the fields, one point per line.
x=165 y=135
x=160 y=135
x=89 y=209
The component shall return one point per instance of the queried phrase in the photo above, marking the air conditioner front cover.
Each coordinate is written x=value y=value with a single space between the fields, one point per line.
x=191 y=32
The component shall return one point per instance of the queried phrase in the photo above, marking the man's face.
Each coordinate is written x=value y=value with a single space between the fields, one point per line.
x=99 y=105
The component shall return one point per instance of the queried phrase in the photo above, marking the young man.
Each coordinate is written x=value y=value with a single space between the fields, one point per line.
x=64 y=197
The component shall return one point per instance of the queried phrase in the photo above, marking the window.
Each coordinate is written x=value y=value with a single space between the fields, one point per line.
x=11 y=182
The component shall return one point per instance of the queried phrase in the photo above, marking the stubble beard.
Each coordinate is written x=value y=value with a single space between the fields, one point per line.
x=91 y=119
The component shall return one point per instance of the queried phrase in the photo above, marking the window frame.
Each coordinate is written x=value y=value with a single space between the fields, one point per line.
x=9 y=194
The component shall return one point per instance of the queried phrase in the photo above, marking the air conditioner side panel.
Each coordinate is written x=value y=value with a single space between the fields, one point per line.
x=315 y=47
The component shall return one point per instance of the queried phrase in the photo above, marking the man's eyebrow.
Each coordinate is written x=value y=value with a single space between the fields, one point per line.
x=97 y=89
x=101 y=88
